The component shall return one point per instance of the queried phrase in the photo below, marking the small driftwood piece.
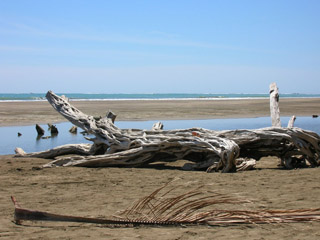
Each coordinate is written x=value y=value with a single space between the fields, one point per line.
x=188 y=208
x=291 y=122
x=54 y=130
x=40 y=130
x=73 y=130
x=157 y=126
x=274 y=105
x=111 y=115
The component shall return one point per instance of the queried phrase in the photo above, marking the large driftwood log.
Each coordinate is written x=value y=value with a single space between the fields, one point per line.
x=206 y=149
x=131 y=147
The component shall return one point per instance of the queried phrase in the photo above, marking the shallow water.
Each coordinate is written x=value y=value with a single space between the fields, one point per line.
x=30 y=143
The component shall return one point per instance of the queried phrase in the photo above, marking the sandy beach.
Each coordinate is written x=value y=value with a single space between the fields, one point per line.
x=190 y=83
x=28 y=113
x=101 y=192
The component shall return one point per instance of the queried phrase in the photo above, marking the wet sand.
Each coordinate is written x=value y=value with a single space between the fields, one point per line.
x=27 y=113
x=101 y=192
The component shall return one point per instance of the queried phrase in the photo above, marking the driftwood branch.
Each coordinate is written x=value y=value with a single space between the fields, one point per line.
x=157 y=126
x=291 y=122
x=81 y=149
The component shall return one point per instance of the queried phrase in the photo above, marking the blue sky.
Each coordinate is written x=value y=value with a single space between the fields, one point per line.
x=159 y=46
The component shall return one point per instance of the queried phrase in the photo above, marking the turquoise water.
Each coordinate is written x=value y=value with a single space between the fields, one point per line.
x=29 y=142
x=83 y=96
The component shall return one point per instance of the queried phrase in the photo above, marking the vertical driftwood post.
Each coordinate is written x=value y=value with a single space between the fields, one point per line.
x=274 y=105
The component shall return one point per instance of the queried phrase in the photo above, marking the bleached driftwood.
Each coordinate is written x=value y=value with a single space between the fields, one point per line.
x=244 y=164
x=292 y=145
x=206 y=149
x=111 y=115
x=274 y=105
x=81 y=149
x=129 y=147
x=157 y=126
x=291 y=122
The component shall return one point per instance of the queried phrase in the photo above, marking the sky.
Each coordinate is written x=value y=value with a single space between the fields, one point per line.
x=167 y=46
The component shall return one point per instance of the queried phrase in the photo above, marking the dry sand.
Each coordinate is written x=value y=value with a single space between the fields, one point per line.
x=101 y=192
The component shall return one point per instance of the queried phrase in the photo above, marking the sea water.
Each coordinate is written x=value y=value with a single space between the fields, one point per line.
x=30 y=142
x=154 y=96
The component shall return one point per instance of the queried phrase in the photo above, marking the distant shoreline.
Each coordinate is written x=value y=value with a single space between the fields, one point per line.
x=145 y=97
x=160 y=99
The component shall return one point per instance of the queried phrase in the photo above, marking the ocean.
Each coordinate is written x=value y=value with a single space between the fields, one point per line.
x=154 y=96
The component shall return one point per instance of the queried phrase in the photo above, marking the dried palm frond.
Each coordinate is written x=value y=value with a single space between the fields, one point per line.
x=188 y=208
x=183 y=208
x=191 y=207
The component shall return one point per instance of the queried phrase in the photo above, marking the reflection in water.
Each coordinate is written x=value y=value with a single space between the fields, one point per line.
x=27 y=138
